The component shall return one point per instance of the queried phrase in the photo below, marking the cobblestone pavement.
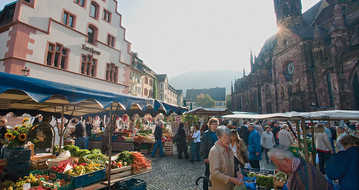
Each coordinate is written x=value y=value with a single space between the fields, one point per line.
x=171 y=173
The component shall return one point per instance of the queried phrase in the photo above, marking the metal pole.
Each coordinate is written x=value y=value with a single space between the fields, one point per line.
x=109 y=151
x=298 y=134
x=306 y=155
x=313 y=148
x=61 y=130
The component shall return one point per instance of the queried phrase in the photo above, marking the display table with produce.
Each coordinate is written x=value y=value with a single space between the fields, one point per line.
x=118 y=144
x=268 y=179
x=76 y=168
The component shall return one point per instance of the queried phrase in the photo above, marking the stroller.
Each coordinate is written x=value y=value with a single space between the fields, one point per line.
x=204 y=178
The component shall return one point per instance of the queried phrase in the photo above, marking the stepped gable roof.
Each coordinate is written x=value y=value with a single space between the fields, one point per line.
x=161 y=77
x=217 y=94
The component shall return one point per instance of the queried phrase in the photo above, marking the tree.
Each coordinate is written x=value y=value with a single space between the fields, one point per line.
x=229 y=101
x=155 y=88
x=205 y=101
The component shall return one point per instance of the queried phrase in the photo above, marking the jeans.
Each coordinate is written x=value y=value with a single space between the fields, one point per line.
x=87 y=140
x=80 y=142
x=266 y=153
x=158 y=144
x=323 y=158
x=195 y=151
x=206 y=173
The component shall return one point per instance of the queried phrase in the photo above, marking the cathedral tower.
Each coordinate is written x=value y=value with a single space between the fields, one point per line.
x=288 y=12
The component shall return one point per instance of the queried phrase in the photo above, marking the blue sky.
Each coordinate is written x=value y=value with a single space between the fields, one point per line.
x=177 y=36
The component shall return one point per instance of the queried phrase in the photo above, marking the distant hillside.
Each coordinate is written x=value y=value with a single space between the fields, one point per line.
x=205 y=79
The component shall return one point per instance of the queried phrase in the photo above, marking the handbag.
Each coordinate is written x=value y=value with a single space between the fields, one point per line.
x=244 y=157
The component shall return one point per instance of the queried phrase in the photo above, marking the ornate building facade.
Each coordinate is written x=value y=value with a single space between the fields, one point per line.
x=311 y=63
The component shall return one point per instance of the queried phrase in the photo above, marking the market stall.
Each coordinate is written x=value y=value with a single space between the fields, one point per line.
x=305 y=144
x=21 y=95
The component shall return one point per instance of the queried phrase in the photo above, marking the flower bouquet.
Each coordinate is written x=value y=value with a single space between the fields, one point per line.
x=16 y=137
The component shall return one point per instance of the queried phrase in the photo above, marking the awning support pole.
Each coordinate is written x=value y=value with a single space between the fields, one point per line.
x=298 y=134
x=61 y=130
x=306 y=153
x=313 y=147
x=109 y=151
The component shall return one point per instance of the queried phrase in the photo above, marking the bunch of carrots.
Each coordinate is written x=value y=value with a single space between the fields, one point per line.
x=140 y=161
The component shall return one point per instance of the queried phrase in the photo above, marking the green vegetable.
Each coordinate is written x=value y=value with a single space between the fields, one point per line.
x=72 y=149
x=266 y=181
x=125 y=156
x=97 y=158
x=251 y=174
x=96 y=151
x=82 y=152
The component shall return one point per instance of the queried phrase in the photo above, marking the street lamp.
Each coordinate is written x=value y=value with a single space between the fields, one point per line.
x=25 y=71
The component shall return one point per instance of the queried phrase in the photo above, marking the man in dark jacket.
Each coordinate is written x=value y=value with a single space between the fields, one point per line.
x=158 y=143
x=89 y=127
x=344 y=165
x=244 y=132
x=182 y=144
x=79 y=133
x=208 y=139
x=276 y=130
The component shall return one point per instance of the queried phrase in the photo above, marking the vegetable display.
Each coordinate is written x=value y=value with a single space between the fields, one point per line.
x=266 y=181
x=140 y=161
x=126 y=157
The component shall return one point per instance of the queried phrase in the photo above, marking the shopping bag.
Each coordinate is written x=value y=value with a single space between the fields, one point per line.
x=241 y=187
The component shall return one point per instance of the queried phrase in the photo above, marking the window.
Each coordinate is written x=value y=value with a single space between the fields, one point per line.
x=330 y=90
x=68 y=19
x=131 y=75
x=92 y=32
x=146 y=92
x=80 y=2
x=146 y=80
x=111 y=72
x=56 y=56
x=106 y=16
x=94 y=10
x=150 y=82
x=110 y=40
x=88 y=65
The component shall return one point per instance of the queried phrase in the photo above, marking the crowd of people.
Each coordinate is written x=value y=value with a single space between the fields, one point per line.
x=226 y=151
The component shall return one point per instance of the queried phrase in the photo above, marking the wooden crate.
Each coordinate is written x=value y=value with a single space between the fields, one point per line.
x=120 y=172
x=134 y=172
x=168 y=153
x=39 y=165
x=69 y=142
x=143 y=151
x=39 y=157
x=3 y=162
